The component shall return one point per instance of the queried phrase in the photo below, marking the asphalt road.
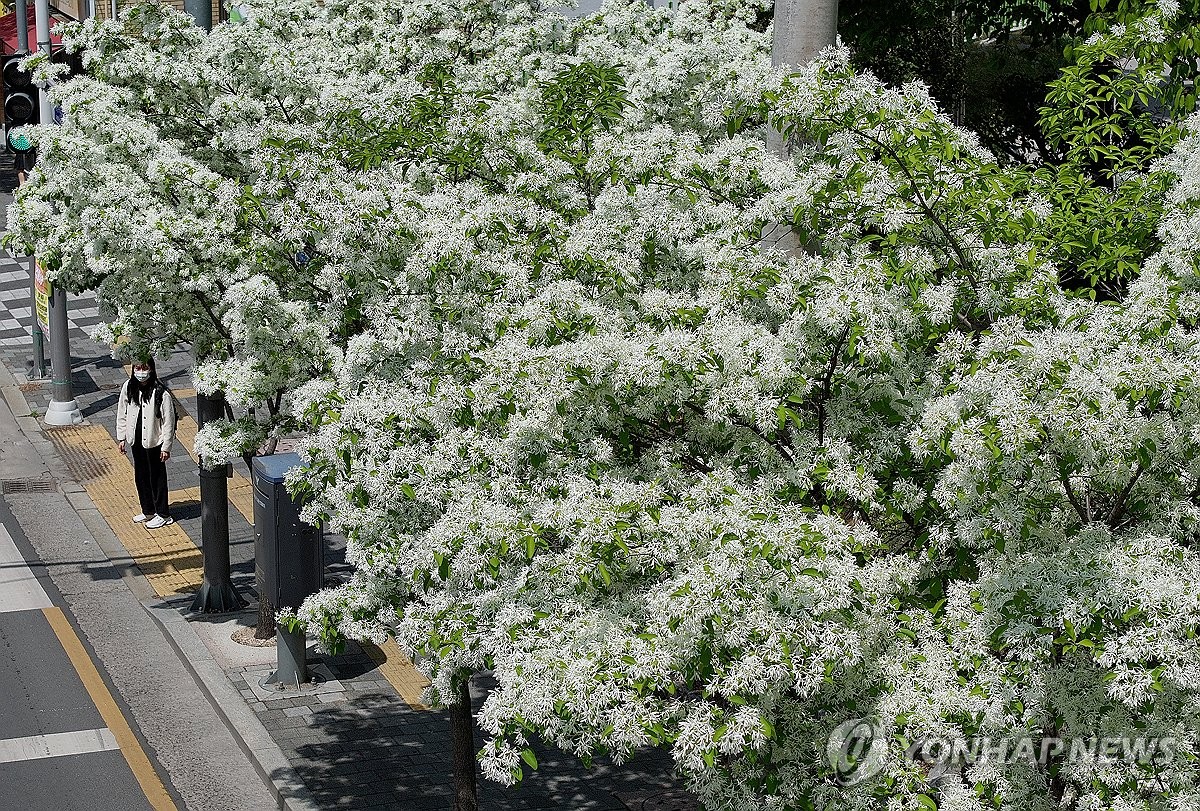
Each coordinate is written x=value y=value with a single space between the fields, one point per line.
x=65 y=741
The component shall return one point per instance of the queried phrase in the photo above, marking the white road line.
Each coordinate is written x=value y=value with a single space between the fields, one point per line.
x=57 y=744
x=19 y=589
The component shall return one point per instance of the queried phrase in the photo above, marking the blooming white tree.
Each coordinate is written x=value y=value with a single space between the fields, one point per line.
x=674 y=487
x=585 y=429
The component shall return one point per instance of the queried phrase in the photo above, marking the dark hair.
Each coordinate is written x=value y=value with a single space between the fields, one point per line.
x=143 y=391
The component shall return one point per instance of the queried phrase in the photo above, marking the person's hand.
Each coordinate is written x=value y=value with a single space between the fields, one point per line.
x=165 y=455
x=121 y=445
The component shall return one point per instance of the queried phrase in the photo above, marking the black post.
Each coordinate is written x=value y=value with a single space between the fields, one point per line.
x=462 y=747
x=200 y=11
x=217 y=593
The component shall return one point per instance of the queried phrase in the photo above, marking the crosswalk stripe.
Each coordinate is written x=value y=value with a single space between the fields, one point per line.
x=19 y=588
x=127 y=742
x=57 y=744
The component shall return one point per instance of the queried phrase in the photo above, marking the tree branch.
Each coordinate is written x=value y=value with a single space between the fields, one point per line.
x=1074 y=499
x=827 y=385
x=1122 y=503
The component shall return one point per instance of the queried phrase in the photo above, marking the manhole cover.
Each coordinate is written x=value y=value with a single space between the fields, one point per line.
x=27 y=486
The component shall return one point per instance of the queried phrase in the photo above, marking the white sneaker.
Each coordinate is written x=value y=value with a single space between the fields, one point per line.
x=158 y=521
x=141 y=518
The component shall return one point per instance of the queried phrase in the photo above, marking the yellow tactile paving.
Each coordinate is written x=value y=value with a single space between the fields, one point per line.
x=167 y=557
x=399 y=670
x=241 y=492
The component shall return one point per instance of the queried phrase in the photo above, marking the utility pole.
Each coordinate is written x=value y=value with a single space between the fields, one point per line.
x=802 y=29
x=22 y=9
x=35 y=326
x=63 y=410
x=217 y=593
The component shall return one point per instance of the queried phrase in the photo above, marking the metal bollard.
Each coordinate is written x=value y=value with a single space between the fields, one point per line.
x=291 y=657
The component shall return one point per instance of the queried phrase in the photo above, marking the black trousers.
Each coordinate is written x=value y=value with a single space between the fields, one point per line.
x=150 y=476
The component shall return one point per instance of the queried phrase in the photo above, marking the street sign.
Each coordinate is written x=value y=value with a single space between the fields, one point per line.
x=41 y=299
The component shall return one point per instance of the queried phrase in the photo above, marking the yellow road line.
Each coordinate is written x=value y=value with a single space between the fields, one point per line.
x=399 y=670
x=114 y=719
x=167 y=557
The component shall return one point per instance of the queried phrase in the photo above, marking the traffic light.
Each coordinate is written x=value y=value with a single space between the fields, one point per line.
x=21 y=105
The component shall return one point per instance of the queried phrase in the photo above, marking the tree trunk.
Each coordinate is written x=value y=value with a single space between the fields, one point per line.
x=802 y=29
x=217 y=593
x=265 y=629
x=462 y=742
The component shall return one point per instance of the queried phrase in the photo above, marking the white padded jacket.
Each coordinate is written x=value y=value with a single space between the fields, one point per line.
x=160 y=431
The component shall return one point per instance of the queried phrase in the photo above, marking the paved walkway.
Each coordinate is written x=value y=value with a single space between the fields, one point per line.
x=361 y=738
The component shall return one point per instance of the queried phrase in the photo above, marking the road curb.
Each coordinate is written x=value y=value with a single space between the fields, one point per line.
x=256 y=742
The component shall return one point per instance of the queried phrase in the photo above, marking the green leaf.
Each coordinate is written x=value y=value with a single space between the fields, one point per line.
x=529 y=757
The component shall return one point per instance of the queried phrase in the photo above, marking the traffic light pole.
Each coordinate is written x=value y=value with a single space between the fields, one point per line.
x=35 y=328
x=63 y=410
x=22 y=9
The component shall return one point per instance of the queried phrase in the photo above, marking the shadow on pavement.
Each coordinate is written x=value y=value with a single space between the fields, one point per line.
x=374 y=751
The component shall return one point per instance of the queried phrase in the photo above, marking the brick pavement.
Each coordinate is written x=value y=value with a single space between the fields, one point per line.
x=363 y=745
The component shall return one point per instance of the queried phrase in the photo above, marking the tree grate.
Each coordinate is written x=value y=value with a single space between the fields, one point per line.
x=28 y=486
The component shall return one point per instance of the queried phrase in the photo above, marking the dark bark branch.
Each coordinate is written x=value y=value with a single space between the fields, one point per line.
x=1122 y=502
x=1066 y=483
x=212 y=316
x=827 y=385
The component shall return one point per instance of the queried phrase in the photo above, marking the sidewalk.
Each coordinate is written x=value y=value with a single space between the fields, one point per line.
x=360 y=738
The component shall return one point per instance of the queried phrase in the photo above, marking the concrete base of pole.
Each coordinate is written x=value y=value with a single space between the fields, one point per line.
x=67 y=413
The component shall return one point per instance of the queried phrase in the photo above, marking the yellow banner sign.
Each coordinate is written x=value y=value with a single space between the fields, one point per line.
x=41 y=299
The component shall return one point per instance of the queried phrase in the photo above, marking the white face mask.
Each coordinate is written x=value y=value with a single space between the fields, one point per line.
x=142 y=376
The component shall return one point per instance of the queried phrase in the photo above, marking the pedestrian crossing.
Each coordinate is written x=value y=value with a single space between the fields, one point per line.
x=16 y=311
x=57 y=744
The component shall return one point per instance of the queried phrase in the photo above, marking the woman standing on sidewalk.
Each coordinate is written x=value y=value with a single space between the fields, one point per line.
x=146 y=423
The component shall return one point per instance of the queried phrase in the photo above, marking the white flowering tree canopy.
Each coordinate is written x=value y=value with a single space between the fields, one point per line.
x=590 y=424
